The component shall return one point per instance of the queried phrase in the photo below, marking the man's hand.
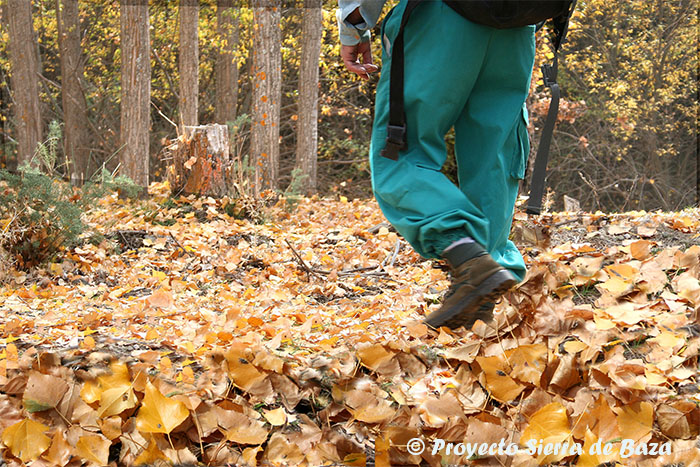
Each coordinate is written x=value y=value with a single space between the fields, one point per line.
x=358 y=59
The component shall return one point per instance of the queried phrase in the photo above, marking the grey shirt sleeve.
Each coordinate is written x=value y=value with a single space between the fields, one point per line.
x=353 y=34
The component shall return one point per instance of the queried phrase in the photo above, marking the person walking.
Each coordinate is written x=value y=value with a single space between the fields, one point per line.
x=474 y=78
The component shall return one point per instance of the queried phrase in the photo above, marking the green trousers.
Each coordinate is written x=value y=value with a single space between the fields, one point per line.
x=473 y=78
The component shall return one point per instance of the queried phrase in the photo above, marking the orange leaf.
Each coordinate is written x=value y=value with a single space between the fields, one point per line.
x=161 y=299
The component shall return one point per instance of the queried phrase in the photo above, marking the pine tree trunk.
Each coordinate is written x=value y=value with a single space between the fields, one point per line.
x=267 y=90
x=25 y=78
x=189 y=61
x=307 y=130
x=75 y=137
x=226 y=63
x=136 y=91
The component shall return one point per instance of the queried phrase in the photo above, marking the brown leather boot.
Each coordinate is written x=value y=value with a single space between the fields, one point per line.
x=477 y=282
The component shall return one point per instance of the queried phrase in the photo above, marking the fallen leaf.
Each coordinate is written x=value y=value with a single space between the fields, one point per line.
x=93 y=448
x=43 y=392
x=635 y=421
x=245 y=430
x=151 y=454
x=161 y=298
x=373 y=356
x=590 y=457
x=60 y=451
x=679 y=419
x=501 y=386
x=276 y=417
x=26 y=439
x=550 y=424
x=159 y=414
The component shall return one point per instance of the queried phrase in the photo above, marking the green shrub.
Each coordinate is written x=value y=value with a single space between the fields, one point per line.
x=40 y=214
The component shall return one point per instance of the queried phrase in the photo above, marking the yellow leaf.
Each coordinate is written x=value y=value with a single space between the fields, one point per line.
x=277 y=417
x=624 y=271
x=625 y=314
x=111 y=427
x=88 y=343
x=550 y=424
x=249 y=456
x=528 y=362
x=374 y=414
x=654 y=375
x=243 y=374
x=116 y=400
x=591 y=456
x=373 y=356
x=91 y=392
x=150 y=455
x=159 y=414
x=26 y=439
x=93 y=448
x=616 y=286
x=603 y=324
x=502 y=387
x=635 y=421
x=640 y=249
x=245 y=430
x=668 y=339
x=60 y=451
x=600 y=420
x=573 y=347
x=187 y=375
x=160 y=275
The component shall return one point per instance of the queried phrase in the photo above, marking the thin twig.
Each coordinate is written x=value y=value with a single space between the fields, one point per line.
x=322 y=272
x=163 y=115
x=178 y=244
x=308 y=270
x=397 y=247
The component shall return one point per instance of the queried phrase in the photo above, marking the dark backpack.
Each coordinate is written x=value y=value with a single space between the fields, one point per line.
x=501 y=14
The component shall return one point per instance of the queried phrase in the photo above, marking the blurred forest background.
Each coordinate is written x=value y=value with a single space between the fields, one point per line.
x=107 y=83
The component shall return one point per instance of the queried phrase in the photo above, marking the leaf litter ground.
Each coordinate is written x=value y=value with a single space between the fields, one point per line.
x=187 y=336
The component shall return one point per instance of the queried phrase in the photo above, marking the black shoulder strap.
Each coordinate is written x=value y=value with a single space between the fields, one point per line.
x=549 y=73
x=396 y=130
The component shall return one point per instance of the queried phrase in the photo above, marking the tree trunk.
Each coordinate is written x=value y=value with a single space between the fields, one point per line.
x=25 y=78
x=200 y=161
x=226 y=63
x=307 y=129
x=189 y=61
x=136 y=91
x=267 y=92
x=75 y=136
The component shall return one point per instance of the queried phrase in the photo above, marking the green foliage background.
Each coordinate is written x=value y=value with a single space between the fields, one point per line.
x=627 y=138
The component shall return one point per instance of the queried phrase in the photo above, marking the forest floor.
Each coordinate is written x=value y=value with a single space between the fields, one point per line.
x=188 y=336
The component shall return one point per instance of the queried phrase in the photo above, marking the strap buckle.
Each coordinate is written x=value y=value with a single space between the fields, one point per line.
x=395 y=141
x=549 y=74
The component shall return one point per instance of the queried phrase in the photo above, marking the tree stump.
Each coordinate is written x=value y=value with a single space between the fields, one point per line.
x=200 y=161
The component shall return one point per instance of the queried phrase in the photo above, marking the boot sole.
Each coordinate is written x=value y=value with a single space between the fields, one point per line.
x=466 y=313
